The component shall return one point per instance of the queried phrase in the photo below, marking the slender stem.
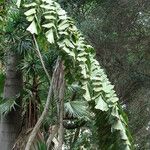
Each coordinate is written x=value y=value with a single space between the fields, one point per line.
x=61 y=108
x=44 y=113
x=51 y=136
x=39 y=122
x=40 y=57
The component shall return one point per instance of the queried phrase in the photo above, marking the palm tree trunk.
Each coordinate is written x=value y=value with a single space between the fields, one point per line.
x=10 y=125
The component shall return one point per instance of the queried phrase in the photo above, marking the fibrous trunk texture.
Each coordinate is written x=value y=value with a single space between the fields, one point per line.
x=10 y=125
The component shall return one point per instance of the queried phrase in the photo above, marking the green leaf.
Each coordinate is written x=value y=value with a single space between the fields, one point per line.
x=107 y=87
x=101 y=104
x=68 y=43
x=30 y=12
x=50 y=17
x=30 y=5
x=76 y=109
x=114 y=99
x=61 y=12
x=50 y=36
x=49 y=25
x=118 y=125
x=48 y=7
x=62 y=26
x=127 y=148
x=32 y=28
x=7 y=105
x=18 y=3
x=63 y=33
x=82 y=59
x=64 y=17
x=123 y=135
x=115 y=112
x=69 y=52
x=86 y=95
x=30 y=18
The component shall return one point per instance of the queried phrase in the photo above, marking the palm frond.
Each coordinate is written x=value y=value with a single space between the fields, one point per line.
x=6 y=105
x=77 y=109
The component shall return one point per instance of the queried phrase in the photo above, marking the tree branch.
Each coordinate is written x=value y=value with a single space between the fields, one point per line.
x=40 y=57
x=51 y=136
x=44 y=113
x=61 y=106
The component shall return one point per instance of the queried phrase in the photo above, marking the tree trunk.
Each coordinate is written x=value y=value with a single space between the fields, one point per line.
x=10 y=125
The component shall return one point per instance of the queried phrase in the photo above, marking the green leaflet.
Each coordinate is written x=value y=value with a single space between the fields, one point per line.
x=61 y=12
x=83 y=71
x=62 y=27
x=118 y=125
x=30 y=5
x=18 y=3
x=68 y=51
x=123 y=135
x=48 y=25
x=101 y=104
x=30 y=18
x=49 y=17
x=48 y=7
x=48 y=1
x=31 y=11
x=107 y=87
x=87 y=93
x=115 y=112
x=7 y=105
x=68 y=43
x=50 y=36
x=32 y=28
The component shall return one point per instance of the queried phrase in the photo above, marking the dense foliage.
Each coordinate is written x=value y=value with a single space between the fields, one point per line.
x=93 y=119
x=120 y=32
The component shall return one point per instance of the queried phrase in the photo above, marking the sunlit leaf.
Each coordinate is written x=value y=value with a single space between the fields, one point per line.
x=18 y=3
x=101 y=104
x=32 y=28
x=30 y=5
x=86 y=95
x=118 y=125
x=30 y=12
x=48 y=25
x=50 y=36
x=30 y=18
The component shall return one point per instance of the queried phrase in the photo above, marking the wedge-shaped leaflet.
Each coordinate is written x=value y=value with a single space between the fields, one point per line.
x=118 y=125
x=30 y=18
x=32 y=28
x=50 y=36
x=18 y=3
x=63 y=25
x=30 y=5
x=68 y=43
x=30 y=12
x=69 y=52
x=87 y=93
x=101 y=104
x=48 y=25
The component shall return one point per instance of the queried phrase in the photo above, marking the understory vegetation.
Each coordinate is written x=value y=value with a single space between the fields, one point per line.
x=54 y=91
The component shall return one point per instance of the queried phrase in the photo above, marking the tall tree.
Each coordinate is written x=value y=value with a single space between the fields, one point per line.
x=10 y=125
